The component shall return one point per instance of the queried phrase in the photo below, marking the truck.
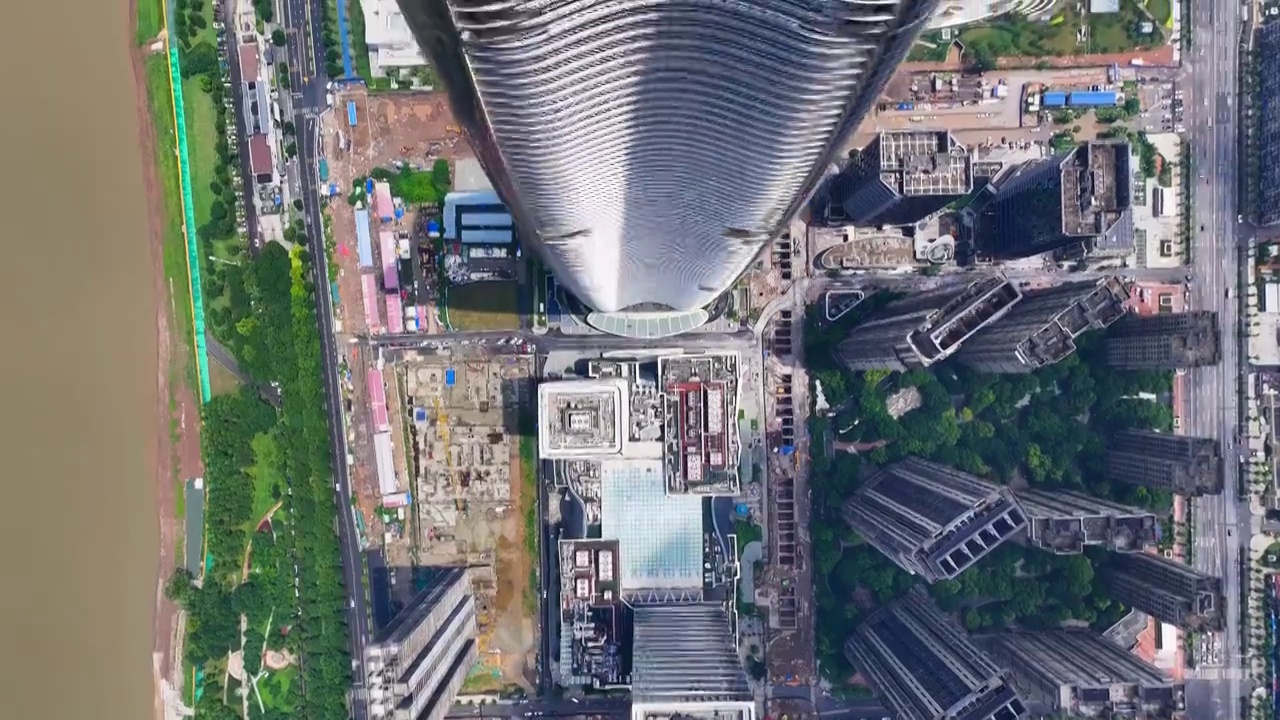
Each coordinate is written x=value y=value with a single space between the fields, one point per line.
x=324 y=170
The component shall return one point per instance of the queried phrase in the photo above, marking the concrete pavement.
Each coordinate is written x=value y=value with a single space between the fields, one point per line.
x=1221 y=523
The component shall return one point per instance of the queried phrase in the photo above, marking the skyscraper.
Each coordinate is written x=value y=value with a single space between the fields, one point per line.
x=649 y=150
x=931 y=519
x=1165 y=589
x=1077 y=672
x=924 y=667
x=1164 y=461
x=685 y=662
x=1074 y=203
x=1042 y=328
x=1166 y=340
x=902 y=177
x=926 y=327
x=417 y=664
x=1064 y=522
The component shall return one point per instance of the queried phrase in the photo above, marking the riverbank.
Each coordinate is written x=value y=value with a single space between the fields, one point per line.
x=176 y=421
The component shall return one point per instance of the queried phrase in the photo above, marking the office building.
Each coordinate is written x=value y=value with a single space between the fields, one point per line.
x=1064 y=522
x=1079 y=673
x=902 y=177
x=650 y=151
x=685 y=663
x=1042 y=328
x=1179 y=464
x=1167 y=341
x=924 y=667
x=1165 y=589
x=926 y=327
x=1074 y=204
x=418 y=663
x=931 y=519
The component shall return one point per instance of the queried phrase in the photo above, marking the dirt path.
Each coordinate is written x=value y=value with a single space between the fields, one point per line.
x=185 y=456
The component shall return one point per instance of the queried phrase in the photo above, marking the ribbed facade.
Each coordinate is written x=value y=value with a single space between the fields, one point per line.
x=649 y=149
x=685 y=660
x=924 y=667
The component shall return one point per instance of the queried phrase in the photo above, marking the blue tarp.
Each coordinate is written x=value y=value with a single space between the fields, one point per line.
x=743 y=510
x=449 y=377
x=1092 y=98
x=788 y=449
x=1056 y=98
x=364 y=244
x=368 y=186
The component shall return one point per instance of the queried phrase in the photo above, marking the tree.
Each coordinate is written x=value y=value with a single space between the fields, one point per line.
x=201 y=59
x=278 y=38
x=282 y=75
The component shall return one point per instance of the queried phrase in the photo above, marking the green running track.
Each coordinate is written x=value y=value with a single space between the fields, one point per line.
x=189 y=223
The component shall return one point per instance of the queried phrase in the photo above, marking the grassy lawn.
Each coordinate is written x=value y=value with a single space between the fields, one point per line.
x=1118 y=32
x=484 y=306
x=355 y=32
x=268 y=477
x=175 y=250
x=1017 y=37
x=201 y=146
x=931 y=47
x=1162 y=11
x=221 y=381
x=149 y=20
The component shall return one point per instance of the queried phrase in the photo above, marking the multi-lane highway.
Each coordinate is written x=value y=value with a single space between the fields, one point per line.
x=301 y=19
x=1221 y=523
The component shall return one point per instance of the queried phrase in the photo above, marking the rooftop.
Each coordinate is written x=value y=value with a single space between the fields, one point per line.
x=659 y=535
x=1095 y=192
x=919 y=162
x=582 y=418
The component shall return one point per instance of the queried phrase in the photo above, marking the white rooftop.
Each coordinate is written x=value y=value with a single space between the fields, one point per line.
x=659 y=535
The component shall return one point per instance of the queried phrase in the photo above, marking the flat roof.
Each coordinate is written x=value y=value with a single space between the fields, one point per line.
x=249 y=62
x=659 y=535
x=260 y=154
x=364 y=244
x=382 y=202
x=924 y=162
x=582 y=418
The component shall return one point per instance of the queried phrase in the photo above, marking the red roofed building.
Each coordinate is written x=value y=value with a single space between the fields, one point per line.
x=260 y=158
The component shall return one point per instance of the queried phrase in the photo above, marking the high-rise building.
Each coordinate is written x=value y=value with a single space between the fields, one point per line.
x=1042 y=328
x=1064 y=522
x=926 y=327
x=1165 y=589
x=418 y=663
x=1079 y=673
x=685 y=663
x=902 y=177
x=1075 y=203
x=924 y=667
x=1165 y=340
x=649 y=151
x=931 y=519
x=1164 y=461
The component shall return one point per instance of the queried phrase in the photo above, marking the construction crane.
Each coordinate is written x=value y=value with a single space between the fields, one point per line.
x=442 y=431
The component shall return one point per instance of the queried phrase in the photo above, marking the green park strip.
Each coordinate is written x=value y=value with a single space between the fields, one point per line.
x=250 y=449
x=150 y=19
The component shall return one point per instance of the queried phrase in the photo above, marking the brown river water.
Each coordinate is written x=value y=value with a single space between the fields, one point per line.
x=78 y=433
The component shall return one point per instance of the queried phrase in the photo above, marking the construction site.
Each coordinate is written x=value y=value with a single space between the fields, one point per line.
x=467 y=507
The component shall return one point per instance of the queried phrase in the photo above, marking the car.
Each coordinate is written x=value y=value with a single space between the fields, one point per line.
x=1227 y=294
x=1228 y=532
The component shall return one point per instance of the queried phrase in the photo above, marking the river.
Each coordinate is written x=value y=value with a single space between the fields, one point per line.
x=78 y=434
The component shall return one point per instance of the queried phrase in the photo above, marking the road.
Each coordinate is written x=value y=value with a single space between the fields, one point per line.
x=1213 y=403
x=301 y=19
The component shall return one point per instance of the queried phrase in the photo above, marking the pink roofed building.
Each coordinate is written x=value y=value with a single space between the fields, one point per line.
x=383 y=205
x=390 y=273
x=369 y=289
x=395 y=313
x=378 y=400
